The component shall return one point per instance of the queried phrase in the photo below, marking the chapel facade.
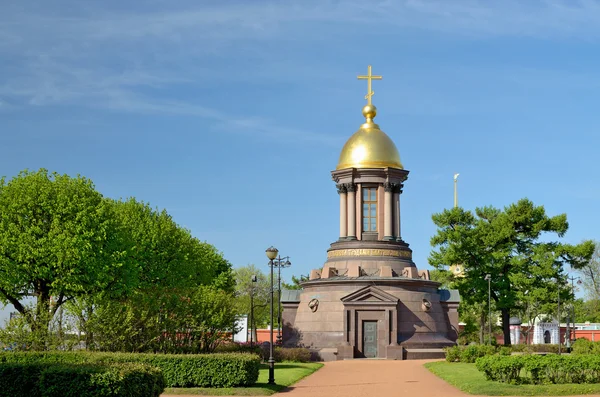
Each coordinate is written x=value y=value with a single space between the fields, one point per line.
x=369 y=300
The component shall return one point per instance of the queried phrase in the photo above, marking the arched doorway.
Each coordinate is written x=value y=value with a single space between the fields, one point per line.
x=547 y=337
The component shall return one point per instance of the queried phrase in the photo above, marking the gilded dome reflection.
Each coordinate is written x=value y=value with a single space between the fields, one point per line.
x=369 y=147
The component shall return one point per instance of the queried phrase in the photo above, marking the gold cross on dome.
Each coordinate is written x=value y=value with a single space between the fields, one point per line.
x=369 y=78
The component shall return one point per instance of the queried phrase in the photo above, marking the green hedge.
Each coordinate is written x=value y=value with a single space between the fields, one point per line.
x=539 y=369
x=74 y=380
x=468 y=354
x=179 y=370
x=584 y=346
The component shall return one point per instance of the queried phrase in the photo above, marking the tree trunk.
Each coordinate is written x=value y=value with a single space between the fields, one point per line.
x=506 y=326
x=39 y=324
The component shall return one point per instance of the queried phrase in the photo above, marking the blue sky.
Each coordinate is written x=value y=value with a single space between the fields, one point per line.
x=232 y=114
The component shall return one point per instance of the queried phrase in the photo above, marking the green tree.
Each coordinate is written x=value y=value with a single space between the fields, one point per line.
x=506 y=244
x=474 y=315
x=58 y=240
x=170 y=262
x=210 y=313
x=257 y=293
x=296 y=283
x=591 y=275
x=166 y=254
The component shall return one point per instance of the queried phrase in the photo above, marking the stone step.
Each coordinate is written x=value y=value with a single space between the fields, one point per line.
x=421 y=354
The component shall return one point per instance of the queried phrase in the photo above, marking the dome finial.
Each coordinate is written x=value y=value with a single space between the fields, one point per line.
x=369 y=111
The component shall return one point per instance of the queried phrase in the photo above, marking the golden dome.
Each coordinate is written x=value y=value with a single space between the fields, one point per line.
x=369 y=147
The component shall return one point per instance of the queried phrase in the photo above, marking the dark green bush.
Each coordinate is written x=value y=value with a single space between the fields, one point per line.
x=584 y=346
x=539 y=369
x=75 y=380
x=235 y=347
x=18 y=380
x=468 y=354
x=293 y=354
x=179 y=370
x=453 y=354
x=501 y=368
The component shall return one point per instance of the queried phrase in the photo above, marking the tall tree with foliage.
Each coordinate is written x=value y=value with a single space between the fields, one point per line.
x=590 y=274
x=59 y=240
x=257 y=292
x=512 y=246
x=296 y=283
x=171 y=263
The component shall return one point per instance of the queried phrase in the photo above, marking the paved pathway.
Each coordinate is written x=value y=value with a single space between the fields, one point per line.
x=381 y=378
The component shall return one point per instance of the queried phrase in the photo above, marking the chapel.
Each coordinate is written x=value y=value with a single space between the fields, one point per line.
x=369 y=300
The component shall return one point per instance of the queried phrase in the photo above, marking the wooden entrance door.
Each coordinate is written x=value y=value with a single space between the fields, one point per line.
x=370 y=339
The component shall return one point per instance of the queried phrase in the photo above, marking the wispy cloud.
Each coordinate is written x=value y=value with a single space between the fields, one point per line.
x=111 y=56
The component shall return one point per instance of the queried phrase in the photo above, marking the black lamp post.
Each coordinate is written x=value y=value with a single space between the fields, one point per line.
x=573 y=278
x=488 y=278
x=279 y=263
x=271 y=254
x=254 y=279
x=558 y=313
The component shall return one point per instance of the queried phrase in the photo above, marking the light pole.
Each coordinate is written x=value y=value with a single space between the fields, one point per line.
x=271 y=254
x=253 y=279
x=455 y=190
x=279 y=263
x=558 y=313
x=488 y=278
x=573 y=306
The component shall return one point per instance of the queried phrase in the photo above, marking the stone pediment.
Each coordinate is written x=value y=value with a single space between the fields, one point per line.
x=369 y=295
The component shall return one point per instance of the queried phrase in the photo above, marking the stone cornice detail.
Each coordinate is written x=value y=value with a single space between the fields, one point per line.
x=369 y=252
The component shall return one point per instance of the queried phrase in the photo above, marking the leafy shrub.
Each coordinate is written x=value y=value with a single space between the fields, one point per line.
x=501 y=368
x=239 y=347
x=539 y=369
x=293 y=354
x=18 y=380
x=584 y=346
x=453 y=354
x=179 y=370
x=504 y=351
x=71 y=380
x=472 y=352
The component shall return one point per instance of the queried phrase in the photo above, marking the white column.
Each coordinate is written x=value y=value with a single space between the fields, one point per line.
x=387 y=212
x=343 y=212
x=397 y=215
x=351 y=189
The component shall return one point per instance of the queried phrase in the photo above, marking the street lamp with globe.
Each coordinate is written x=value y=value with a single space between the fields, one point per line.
x=271 y=254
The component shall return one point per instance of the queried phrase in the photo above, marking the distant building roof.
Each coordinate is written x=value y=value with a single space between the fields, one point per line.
x=514 y=321
x=449 y=295
x=290 y=295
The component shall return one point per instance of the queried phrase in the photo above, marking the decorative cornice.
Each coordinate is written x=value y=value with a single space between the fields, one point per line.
x=370 y=252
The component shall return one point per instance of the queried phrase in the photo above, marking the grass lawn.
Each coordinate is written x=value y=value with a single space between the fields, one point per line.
x=468 y=379
x=286 y=374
